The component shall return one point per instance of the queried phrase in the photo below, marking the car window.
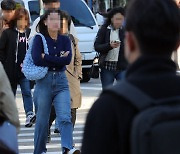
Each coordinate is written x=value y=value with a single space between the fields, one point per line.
x=80 y=15
x=34 y=9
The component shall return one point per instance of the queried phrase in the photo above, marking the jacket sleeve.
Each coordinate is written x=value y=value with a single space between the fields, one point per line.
x=7 y=100
x=3 y=43
x=77 y=61
x=60 y=61
x=100 y=45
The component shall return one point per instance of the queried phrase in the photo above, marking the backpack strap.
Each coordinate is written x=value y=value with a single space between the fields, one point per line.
x=138 y=98
x=131 y=93
x=44 y=43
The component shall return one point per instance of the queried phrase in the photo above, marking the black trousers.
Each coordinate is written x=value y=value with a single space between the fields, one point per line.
x=53 y=116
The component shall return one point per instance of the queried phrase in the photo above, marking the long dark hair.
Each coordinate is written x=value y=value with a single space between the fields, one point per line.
x=111 y=13
x=41 y=25
x=66 y=16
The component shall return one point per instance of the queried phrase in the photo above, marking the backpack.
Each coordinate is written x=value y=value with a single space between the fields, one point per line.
x=156 y=128
x=30 y=70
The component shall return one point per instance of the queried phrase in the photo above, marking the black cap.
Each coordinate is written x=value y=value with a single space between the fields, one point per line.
x=8 y=5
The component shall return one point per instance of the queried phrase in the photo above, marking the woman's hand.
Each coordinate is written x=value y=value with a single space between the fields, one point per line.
x=114 y=44
x=65 y=54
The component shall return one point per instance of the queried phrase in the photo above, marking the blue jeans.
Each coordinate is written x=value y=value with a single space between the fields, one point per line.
x=26 y=95
x=53 y=88
x=107 y=77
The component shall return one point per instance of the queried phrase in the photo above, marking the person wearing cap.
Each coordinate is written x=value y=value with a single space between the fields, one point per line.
x=7 y=12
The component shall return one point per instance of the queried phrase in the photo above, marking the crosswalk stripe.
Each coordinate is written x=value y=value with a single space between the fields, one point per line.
x=53 y=139
x=26 y=136
x=97 y=87
x=57 y=145
x=31 y=134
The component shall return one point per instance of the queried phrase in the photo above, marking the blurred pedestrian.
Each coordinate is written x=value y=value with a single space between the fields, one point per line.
x=178 y=3
x=149 y=43
x=13 y=46
x=178 y=50
x=7 y=13
x=54 y=86
x=9 y=118
x=73 y=73
x=8 y=105
x=110 y=44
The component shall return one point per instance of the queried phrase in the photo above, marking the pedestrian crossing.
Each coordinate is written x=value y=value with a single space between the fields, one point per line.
x=26 y=135
x=90 y=92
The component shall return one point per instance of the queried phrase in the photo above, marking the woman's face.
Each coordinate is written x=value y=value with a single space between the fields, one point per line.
x=22 y=23
x=53 y=21
x=117 y=20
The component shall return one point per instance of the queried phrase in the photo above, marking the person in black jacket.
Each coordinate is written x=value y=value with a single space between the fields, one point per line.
x=13 y=46
x=6 y=13
x=152 y=34
x=110 y=44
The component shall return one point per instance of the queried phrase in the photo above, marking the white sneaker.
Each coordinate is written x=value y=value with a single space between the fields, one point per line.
x=30 y=120
x=74 y=151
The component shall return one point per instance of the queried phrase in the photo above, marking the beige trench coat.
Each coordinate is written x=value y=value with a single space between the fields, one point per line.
x=74 y=75
x=7 y=100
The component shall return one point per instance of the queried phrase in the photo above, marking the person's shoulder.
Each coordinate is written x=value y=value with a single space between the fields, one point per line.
x=106 y=101
x=28 y=31
x=111 y=99
x=8 y=31
x=122 y=30
x=36 y=38
x=63 y=37
x=104 y=27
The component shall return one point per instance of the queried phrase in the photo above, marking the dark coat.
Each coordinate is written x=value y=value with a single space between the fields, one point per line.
x=102 y=45
x=107 y=129
x=8 y=44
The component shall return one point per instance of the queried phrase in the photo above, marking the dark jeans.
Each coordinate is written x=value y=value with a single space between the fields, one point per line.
x=53 y=116
x=26 y=95
x=108 y=77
